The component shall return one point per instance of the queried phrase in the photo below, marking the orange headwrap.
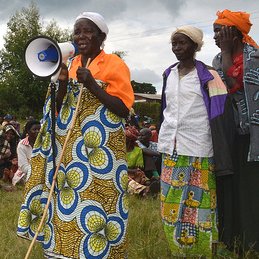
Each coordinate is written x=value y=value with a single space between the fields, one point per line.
x=238 y=19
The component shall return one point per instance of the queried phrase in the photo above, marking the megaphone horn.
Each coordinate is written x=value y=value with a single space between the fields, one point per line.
x=43 y=55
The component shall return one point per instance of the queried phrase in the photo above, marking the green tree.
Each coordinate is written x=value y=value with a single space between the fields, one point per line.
x=21 y=92
x=56 y=33
x=145 y=88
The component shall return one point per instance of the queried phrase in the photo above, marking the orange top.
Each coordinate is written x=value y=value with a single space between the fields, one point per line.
x=238 y=19
x=110 y=69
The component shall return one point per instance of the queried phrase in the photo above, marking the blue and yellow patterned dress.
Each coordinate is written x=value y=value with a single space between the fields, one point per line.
x=87 y=217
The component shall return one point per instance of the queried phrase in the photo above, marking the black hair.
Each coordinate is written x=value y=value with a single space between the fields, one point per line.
x=28 y=126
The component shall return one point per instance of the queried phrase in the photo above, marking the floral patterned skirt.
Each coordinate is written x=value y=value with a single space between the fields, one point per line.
x=87 y=216
x=188 y=204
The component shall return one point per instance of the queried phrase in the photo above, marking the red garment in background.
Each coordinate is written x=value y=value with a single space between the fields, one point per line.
x=154 y=136
x=236 y=71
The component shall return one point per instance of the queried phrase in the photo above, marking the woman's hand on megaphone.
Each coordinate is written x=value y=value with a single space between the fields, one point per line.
x=63 y=76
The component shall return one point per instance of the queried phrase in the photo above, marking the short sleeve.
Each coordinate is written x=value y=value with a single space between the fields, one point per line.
x=119 y=83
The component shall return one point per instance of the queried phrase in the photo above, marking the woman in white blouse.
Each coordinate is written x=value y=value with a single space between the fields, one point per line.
x=193 y=96
x=24 y=149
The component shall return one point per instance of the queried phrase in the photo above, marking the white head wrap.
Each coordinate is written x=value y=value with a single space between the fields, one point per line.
x=11 y=127
x=195 y=34
x=97 y=19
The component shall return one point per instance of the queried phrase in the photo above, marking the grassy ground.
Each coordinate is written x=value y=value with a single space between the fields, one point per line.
x=11 y=246
x=145 y=235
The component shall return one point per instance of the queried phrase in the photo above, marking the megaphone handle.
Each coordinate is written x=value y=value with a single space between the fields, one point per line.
x=54 y=78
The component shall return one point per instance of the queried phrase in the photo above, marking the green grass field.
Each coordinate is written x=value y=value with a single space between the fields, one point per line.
x=145 y=234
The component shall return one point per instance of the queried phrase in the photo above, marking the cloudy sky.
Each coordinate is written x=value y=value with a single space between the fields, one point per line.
x=141 y=28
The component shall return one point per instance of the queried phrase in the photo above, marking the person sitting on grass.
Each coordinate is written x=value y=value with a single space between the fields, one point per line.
x=152 y=158
x=138 y=182
x=5 y=151
x=24 y=150
x=8 y=142
x=9 y=172
x=16 y=124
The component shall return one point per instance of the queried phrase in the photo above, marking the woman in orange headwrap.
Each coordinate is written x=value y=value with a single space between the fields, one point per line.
x=240 y=20
x=238 y=194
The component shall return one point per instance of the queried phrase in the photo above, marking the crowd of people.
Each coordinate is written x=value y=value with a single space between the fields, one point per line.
x=16 y=150
x=203 y=159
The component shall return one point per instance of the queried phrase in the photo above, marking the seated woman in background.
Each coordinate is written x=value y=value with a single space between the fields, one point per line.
x=24 y=149
x=152 y=158
x=16 y=124
x=5 y=151
x=138 y=182
x=8 y=156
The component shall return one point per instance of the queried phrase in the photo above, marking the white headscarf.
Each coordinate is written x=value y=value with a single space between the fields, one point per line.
x=11 y=127
x=195 y=34
x=97 y=19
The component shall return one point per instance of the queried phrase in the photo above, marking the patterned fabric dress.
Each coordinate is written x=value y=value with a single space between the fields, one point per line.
x=87 y=217
x=188 y=182
x=188 y=203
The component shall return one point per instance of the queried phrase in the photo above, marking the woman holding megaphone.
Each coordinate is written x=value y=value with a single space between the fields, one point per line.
x=86 y=213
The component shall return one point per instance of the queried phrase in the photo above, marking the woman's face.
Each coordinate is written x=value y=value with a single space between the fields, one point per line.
x=183 y=47
x=217 y=29
x=9 y=135
x=144 y=136
x=87 y=36
x=219 y=32
x=34 y=131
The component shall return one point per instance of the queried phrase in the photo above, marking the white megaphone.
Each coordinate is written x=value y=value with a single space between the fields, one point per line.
x=44 y=56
